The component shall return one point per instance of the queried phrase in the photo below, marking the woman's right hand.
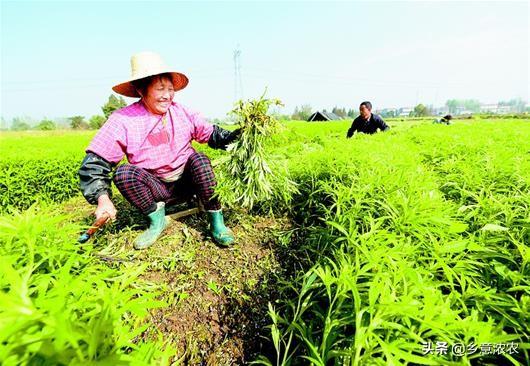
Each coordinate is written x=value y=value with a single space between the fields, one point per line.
x=105 y=206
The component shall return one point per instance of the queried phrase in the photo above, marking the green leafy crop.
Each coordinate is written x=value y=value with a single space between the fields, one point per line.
x=247 y=175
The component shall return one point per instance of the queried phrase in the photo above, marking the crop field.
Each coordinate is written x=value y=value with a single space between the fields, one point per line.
x=408 y=247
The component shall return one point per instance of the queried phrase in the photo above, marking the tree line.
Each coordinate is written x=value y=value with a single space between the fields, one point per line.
x=75 y=122
x=302 y=113
x=452 y=106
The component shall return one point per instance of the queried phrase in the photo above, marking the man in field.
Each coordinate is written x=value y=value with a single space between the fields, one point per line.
x=367 y=122
x=446 y=120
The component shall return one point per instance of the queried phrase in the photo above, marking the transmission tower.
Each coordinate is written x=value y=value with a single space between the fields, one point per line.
x=238 y=82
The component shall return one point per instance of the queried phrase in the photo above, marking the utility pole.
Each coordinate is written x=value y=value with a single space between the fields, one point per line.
x=238 y=82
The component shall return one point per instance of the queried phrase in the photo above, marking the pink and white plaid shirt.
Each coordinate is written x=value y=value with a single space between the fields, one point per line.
x=161 y=148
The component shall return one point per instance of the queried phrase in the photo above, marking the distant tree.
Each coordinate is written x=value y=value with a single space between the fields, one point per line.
x=62 y=122
x=95 y=122
x=46 y=125
x=352 y=113
x=112 y=104
x=421 y=111
x=19 y=124
x=452 y=105
x=388 y=113
x=302 y=113
x=472 y=105
x=341 y=112
x=3 y=124
x=517 y=105
x=78 y=122
x=296 y=113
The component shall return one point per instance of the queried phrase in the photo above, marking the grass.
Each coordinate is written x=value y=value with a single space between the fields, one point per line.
x=393 y=241
x=398 y=259
x=60 y=306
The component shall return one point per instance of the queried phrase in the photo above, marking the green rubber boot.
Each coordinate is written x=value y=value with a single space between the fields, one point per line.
x=221 y=234
x=158 y=224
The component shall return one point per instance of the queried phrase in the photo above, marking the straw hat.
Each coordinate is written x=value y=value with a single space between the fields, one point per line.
x=146 y=64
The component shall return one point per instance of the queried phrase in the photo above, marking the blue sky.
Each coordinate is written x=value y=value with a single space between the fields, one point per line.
x=61 y=59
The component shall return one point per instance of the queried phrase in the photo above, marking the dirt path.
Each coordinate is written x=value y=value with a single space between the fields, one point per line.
x=217 y=312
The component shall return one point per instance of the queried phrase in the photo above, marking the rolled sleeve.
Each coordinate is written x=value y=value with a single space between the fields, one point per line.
x=202 y=129
x=110 y=141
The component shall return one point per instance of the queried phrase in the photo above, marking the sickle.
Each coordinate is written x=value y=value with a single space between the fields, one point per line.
x=95 y=226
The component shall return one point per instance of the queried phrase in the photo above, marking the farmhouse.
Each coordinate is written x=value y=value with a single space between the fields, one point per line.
x=491 y=108
x=405 y=111
x=323 y=116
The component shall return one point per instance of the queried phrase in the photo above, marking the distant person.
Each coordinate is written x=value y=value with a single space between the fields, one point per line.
x=446 y=120
x=367 y=122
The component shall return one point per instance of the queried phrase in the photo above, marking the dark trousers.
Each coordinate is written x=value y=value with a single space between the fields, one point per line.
x=143 y=190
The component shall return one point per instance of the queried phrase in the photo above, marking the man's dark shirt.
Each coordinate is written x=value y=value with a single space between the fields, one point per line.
x=370 y=126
